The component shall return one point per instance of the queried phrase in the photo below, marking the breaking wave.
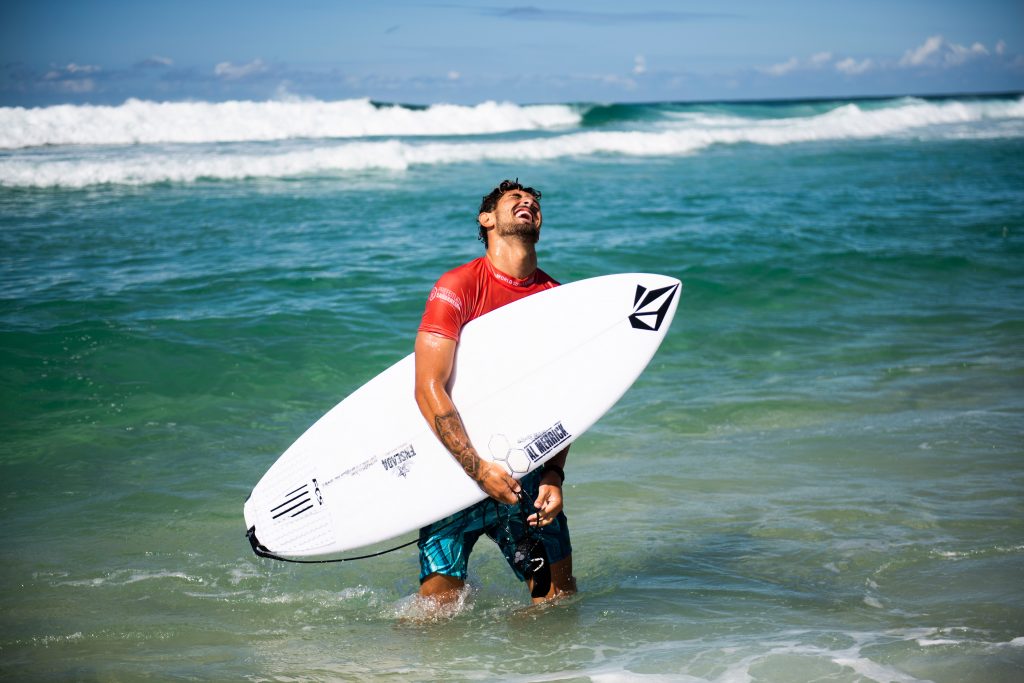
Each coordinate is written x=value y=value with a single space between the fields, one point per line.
x=516 y=133
x=143 y=122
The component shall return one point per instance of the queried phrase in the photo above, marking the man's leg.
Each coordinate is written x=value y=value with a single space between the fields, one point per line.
x=444 y=554
x=441 y=588
x=563 y=583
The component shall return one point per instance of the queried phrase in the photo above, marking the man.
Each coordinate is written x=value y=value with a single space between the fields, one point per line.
x=510 y=220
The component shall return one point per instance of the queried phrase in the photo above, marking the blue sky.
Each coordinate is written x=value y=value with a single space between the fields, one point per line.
x=106 y=51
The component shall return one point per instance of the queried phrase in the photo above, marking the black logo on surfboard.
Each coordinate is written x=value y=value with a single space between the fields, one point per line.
x=397 y=461
x=547 y=441
x=650 y=306
x=295 y=503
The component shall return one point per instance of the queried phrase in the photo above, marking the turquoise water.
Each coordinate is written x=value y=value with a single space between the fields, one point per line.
x=819 y=477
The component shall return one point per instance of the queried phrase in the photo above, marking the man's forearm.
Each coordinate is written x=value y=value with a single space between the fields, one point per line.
x=452 y=433
x=560 y=458
x=437 y=407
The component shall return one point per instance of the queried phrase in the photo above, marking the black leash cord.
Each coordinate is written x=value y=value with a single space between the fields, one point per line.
x=262 y=551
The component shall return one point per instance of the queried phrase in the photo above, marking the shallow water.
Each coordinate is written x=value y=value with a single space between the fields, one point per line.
x=819 y=477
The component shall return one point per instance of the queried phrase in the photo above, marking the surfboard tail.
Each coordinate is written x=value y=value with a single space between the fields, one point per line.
x=257 y=547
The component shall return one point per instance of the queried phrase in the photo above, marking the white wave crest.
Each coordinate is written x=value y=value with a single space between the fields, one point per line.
x=143 y=122
x=151 y=164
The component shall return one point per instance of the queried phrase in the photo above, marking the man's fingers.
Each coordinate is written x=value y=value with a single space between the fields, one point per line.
x=497 y=483
x=513 y=487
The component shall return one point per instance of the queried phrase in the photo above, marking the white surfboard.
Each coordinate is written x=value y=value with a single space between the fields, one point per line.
x=529 y=379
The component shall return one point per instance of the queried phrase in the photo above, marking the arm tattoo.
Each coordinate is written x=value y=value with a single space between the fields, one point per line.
x=453 y=435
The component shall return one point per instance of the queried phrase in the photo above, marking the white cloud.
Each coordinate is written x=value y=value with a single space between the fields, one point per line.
x=936 y=51
x=72 y=78
x=922 y=54
x=71 y=69
x=851 y=67
x=821 y=59
x=816 y=61
x=781 y=69
x=454 y=75
x=958 y=54
x=231 y=71
x=283 y=93
x=639 y=65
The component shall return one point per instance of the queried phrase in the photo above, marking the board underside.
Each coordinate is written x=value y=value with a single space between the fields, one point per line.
x=529 y=379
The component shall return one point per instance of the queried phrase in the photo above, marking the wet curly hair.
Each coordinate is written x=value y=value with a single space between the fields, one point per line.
x=491 y=200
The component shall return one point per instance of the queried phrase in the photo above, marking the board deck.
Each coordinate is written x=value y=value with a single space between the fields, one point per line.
x=529 y=379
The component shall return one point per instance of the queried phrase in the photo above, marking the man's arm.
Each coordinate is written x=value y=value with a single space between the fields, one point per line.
x=435 y=358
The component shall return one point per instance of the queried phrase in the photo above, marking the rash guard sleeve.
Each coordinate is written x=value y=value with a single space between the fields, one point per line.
x=448 y=307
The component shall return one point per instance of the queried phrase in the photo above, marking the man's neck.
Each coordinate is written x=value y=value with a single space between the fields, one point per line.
x=513 y=258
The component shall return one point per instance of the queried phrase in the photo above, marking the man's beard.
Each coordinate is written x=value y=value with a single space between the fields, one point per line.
x=524 y=232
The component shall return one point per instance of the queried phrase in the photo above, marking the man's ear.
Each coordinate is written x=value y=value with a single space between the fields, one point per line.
x=486 y=219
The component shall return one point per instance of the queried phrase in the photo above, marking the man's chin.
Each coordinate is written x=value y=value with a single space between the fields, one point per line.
x=527 y=234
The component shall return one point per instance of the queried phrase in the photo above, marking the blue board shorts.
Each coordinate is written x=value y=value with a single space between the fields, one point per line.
x=446 y=544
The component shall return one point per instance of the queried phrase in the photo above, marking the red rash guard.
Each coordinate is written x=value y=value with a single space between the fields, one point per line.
x=472 y=289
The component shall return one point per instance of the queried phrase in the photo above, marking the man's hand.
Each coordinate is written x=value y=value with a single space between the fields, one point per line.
x=497 y=483
x=548 y=504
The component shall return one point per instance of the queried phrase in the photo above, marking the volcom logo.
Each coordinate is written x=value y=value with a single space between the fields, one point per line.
x=650 y=307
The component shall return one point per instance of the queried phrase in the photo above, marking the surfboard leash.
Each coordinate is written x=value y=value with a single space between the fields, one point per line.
x=263 y=551
x=530 y=555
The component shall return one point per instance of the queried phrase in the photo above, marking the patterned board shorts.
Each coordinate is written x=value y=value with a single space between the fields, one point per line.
x=446 y=544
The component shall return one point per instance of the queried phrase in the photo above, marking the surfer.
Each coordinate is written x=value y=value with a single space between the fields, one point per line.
x=532 y=533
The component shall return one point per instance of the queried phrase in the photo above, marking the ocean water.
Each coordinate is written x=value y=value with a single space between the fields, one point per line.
x=820 y=477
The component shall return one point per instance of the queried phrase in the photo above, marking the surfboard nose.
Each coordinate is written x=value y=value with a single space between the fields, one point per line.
x=653 y=302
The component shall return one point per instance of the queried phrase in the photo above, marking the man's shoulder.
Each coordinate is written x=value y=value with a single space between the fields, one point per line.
x=458 y=287
x=468 y=272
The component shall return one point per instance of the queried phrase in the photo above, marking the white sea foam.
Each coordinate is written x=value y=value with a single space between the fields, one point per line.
x=978 y=552
x=144 y=164
x=124 y=577
x=415 y=609
x=783 y=660
x=49 y=640
x=144 y=122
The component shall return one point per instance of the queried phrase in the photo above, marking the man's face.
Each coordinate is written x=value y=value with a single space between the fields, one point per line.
x=517 y=214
